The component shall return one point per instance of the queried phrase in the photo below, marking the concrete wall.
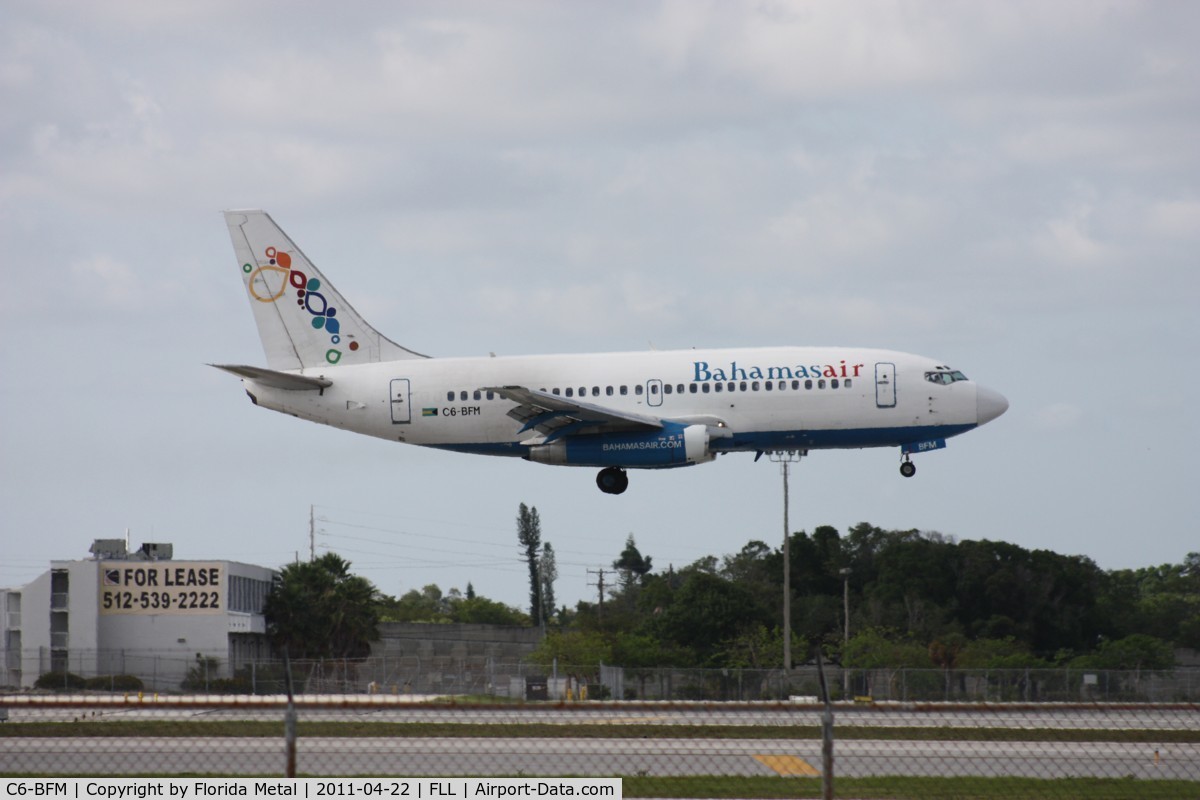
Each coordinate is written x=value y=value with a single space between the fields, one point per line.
x=452 y=658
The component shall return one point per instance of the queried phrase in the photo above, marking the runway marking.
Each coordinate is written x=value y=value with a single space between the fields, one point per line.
x=788 y=765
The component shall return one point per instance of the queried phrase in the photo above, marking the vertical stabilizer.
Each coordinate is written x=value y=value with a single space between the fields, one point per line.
x=302 y=320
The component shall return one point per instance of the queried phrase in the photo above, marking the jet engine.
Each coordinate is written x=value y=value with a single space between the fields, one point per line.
x=673 y=446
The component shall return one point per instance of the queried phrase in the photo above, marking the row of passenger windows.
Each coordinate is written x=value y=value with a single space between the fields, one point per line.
x=674 y=388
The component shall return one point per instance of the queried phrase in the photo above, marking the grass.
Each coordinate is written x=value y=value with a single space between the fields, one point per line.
x=720 y=787
x=250 y=728
x=909 y=788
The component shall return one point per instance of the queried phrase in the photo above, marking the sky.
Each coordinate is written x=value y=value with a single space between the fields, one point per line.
x=1011 y=188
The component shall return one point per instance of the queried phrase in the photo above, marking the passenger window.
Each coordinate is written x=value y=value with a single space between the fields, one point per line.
x=570 y=392
x=450 y=396
x=491 y=395
x=821 y=383
x=720 y=387
x=833 y=384
x=638 y=390
x=624 y=390
x=767 y=386
x=679 y=388
x=668 y=388
x=754 y=386
x=796 y=385
x=595 y=391
x=846 y=383
x=742 y=386
x=732 y=386
x=704 y=388
x=464 y=394
x=478 y=395
x=692 y=388
x=654 y=388
x=808 y=384
x=608 y=390
x=556 y=390
x=583 y=391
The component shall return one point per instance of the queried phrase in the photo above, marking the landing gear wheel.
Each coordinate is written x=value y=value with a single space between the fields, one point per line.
x=908 y=469
x=612 y=480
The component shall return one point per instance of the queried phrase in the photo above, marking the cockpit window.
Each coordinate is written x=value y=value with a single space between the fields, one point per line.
x=944 y=375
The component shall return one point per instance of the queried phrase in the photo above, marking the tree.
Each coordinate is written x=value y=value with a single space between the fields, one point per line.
x=707 y=611
x=548 y=574
x=529 y=534
x=482 y=611
x=581 y=651
x=317 y=609
x=632 y=565
x=1134 y=653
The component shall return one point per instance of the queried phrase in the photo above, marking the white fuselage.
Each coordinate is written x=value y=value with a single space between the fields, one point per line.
x=781 y=398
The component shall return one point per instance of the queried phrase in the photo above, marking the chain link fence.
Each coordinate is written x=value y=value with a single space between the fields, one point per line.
x=660 y=748
x=488 y=677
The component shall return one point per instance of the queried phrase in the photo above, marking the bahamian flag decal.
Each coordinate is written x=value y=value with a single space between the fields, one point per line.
x=428 y=412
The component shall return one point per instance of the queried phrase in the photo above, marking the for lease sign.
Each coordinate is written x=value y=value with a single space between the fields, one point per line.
x=162 y=587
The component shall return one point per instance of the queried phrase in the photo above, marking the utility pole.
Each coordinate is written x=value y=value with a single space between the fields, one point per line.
x=312 y=535
x=541 y=599
x=845 y=573
x=599 y=582
x=785 y=459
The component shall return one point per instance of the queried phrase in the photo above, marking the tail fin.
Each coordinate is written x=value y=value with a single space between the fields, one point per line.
x=302 y=320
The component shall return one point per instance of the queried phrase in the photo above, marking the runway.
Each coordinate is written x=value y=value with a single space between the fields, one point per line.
x=1154 y=751
x=341 y=708
x=328 y=756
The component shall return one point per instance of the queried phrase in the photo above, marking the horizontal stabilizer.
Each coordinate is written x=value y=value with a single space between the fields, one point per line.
x=274 y=378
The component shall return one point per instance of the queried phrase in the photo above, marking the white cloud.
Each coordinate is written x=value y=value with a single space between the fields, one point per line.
x=106 y=282
x=1178 y=219
x=1068 y=239
x=813 y=50
x=1058 y=417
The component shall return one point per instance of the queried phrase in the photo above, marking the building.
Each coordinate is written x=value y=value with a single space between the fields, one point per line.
x=135 y=613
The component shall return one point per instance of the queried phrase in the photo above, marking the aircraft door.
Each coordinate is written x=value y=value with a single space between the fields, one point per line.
x=654 y=392
x=401 y=394
x=885 y=385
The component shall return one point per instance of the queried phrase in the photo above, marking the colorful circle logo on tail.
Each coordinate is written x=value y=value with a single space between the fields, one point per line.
x=271 y=281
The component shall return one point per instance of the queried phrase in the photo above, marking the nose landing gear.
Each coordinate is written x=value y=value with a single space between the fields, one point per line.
x=907 y=468
x=612 y=480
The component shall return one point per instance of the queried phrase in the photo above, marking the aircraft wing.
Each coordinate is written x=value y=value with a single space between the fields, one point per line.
x=555 y=416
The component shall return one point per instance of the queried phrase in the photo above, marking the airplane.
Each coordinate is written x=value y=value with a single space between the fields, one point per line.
x=614 y=411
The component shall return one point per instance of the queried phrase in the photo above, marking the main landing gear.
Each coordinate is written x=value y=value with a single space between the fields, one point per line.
x=612 y=480
x=907 y=468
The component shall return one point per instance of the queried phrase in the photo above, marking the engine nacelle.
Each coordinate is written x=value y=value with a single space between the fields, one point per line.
x=673 y=446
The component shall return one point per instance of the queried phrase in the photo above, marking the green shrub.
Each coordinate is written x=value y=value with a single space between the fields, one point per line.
x=115 y=683
x=60 y=681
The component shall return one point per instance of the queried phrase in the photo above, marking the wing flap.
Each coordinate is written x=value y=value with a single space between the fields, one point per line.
x=554 y=416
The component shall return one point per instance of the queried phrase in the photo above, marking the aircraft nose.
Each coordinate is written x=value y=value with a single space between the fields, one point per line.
x=989 y=404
